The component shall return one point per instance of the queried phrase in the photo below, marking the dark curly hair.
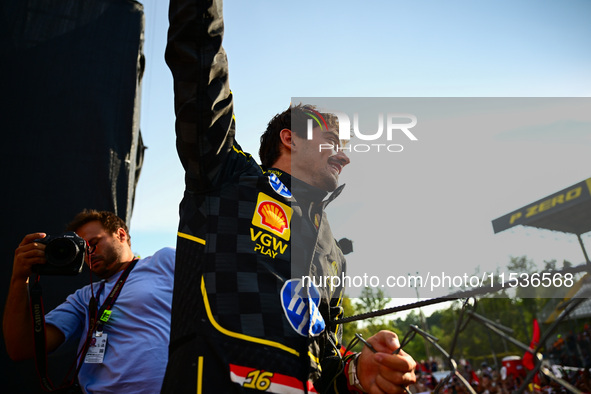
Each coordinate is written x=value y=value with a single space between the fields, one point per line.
x=295 y=118
x=108 y=220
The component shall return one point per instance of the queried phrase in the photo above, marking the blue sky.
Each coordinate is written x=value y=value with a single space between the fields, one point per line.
x=279 y=50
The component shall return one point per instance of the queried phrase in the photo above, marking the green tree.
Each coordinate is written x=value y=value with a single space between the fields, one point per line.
x=521 y=265
x=349 y=329
x=370 y=300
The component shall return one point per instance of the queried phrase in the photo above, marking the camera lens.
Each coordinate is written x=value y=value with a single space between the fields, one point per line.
x=61 y=251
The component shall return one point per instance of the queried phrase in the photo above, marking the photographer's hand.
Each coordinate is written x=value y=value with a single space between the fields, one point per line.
x=17 y=324
x=27 y=254
x=385 y=372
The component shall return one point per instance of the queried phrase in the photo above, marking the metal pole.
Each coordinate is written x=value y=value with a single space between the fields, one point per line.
x=424 y=321
x=584 y=250
x=492 y=348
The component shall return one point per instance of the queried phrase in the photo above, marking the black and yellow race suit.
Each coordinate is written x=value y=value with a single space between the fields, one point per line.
x=243 y=319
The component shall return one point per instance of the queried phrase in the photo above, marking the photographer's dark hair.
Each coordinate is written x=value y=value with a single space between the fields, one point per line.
x=295 y=118
x=108 y=220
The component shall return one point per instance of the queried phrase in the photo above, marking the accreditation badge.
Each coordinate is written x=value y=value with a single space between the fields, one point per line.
x=96 y=350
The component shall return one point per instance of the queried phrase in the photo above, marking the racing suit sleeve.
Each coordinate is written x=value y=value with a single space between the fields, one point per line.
x=203 y=101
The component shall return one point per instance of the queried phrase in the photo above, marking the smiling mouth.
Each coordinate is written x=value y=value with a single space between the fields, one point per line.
x=336 y=166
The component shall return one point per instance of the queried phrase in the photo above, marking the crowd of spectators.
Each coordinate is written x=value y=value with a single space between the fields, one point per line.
x=572 y=349
x=488 y=380
x=568 y=357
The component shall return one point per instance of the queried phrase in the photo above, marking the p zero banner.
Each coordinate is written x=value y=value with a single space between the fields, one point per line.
x=568 y=210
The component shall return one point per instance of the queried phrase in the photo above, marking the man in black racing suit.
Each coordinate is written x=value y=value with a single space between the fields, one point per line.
x=243 y=317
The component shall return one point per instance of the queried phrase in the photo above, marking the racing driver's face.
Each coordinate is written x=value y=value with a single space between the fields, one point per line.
x=318 y=161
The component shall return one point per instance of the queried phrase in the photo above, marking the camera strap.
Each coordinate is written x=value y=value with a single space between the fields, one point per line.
x=35 y=295
x=96 y=321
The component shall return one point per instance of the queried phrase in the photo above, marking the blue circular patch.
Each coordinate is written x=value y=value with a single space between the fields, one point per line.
x=278 y=186
x=300 y=304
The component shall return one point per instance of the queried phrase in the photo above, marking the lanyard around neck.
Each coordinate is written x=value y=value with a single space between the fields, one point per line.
x=104 y=313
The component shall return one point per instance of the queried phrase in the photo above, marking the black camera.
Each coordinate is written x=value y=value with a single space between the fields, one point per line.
x=64 y=254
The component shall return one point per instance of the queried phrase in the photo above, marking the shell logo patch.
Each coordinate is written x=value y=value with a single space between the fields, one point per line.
x=273 y=216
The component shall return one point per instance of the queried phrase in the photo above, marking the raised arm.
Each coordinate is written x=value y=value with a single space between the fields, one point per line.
x=203 y=101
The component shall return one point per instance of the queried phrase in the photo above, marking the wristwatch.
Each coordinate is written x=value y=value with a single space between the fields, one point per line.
x=353 y=380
